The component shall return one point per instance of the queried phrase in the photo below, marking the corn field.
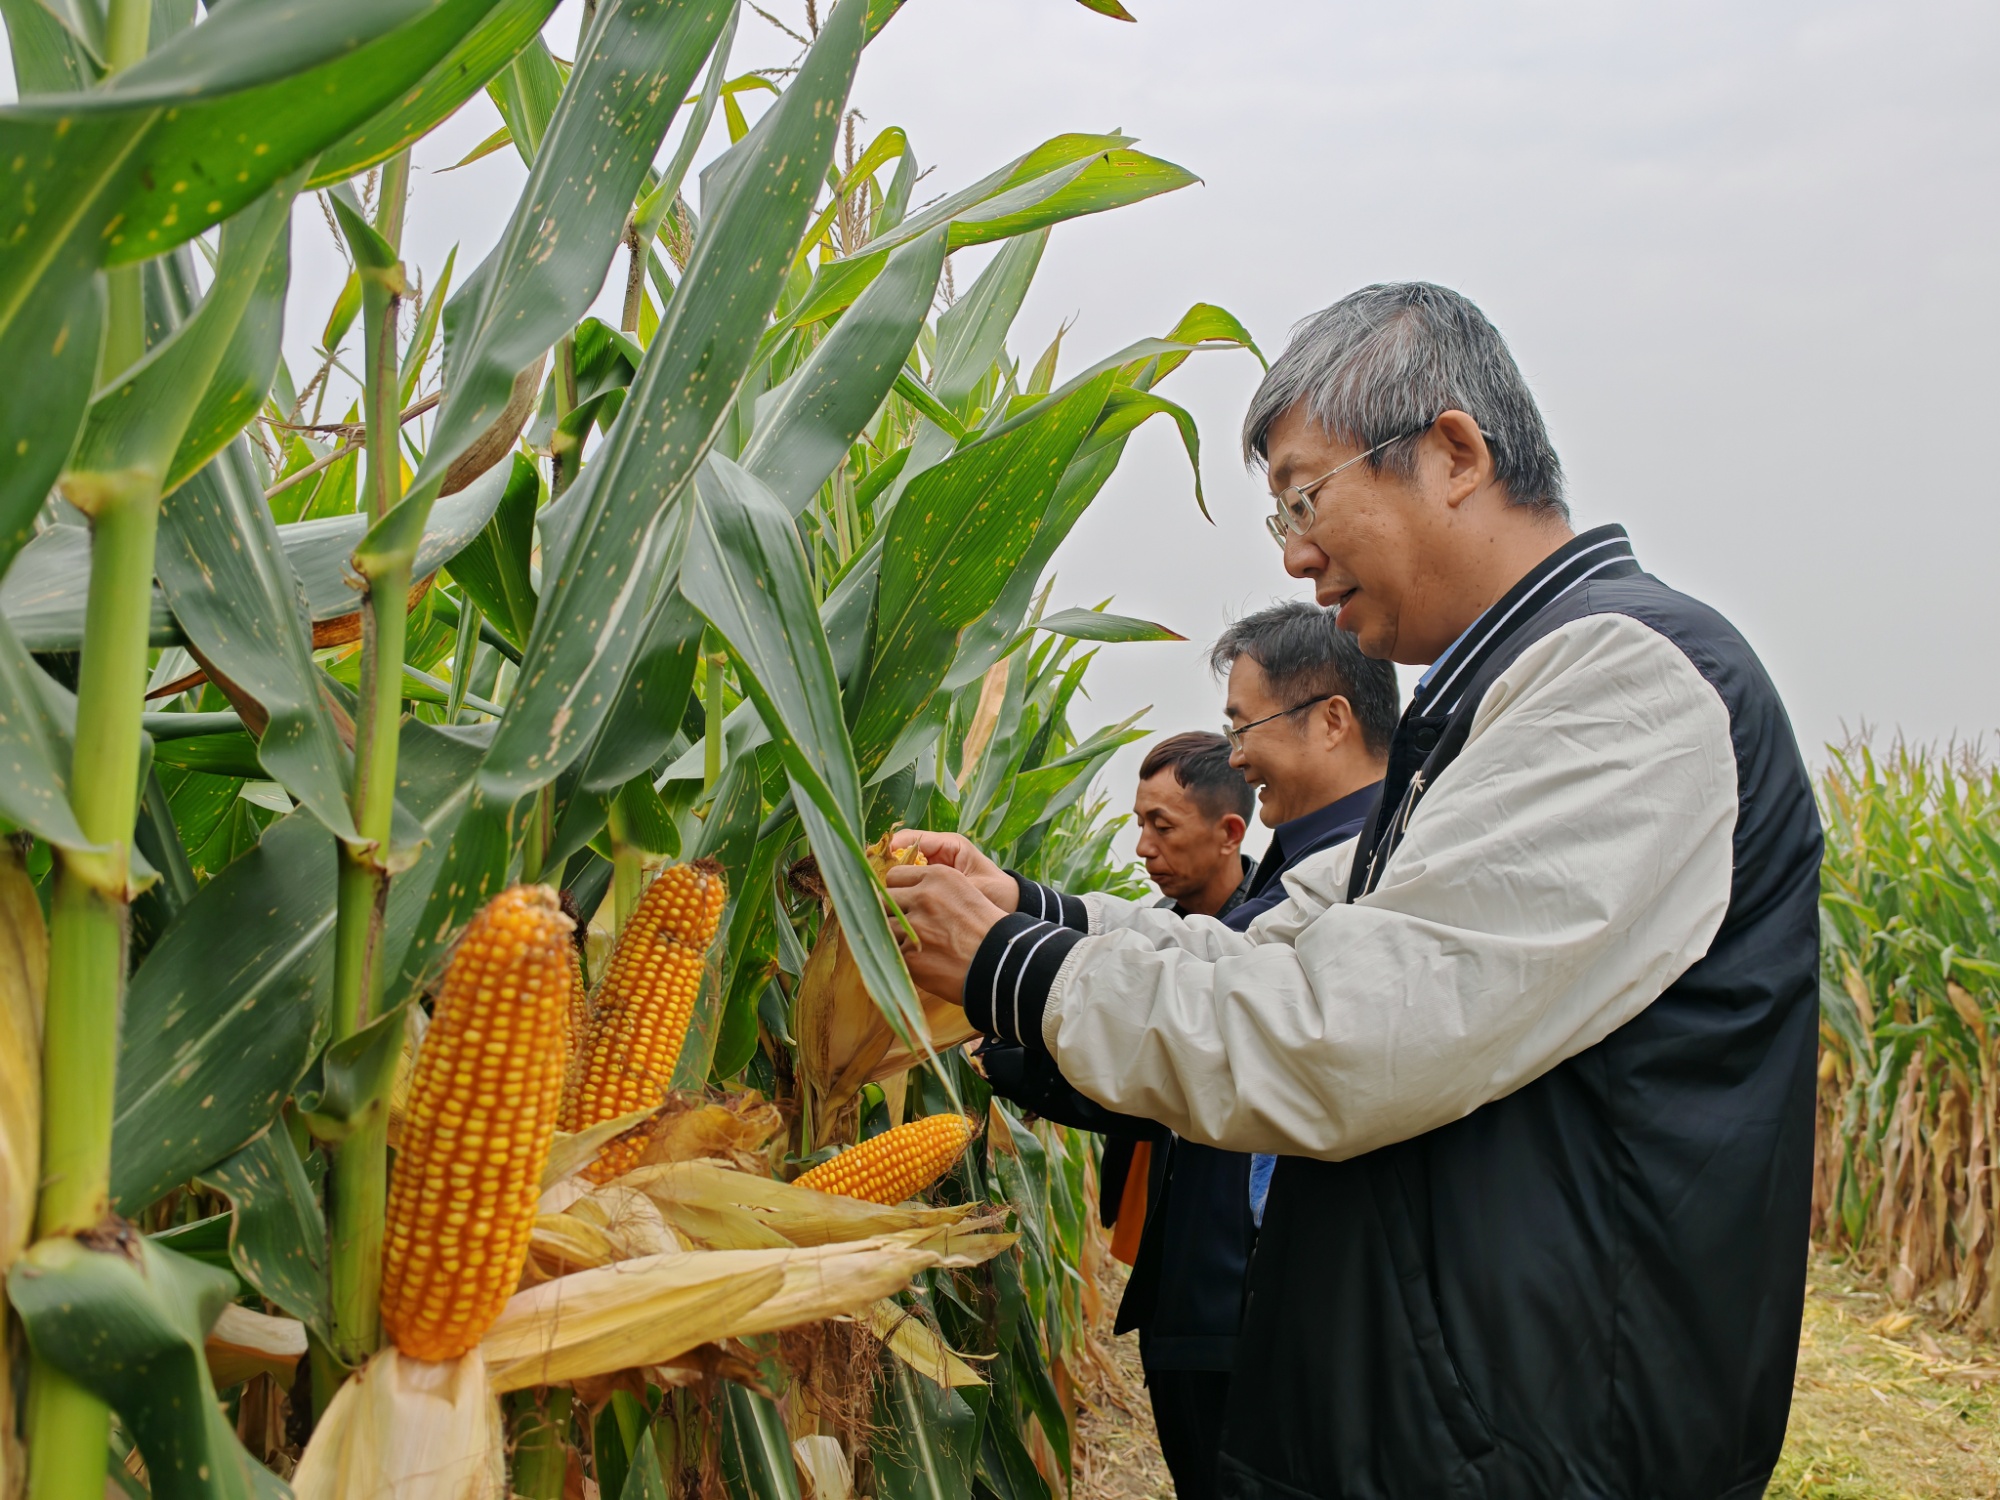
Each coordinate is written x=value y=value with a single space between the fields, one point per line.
x=453 y=1040
x=1910 y=952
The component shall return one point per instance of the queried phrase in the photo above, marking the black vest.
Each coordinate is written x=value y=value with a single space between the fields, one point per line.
x=1590 y=1287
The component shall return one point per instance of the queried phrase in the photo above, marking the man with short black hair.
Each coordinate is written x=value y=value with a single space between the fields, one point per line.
x=1538 y=1050
x=1192 y=809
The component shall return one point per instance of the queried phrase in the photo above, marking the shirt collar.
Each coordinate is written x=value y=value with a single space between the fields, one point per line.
x=1582 y=557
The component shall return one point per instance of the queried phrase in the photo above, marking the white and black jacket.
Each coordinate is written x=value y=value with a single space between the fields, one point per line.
x=1538 y=1049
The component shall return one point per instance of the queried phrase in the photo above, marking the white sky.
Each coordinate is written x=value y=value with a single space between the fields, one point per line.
x=1745 y=254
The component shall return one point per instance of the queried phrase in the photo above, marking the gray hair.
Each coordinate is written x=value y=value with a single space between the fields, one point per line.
x=1305 y=655
x=1391 y=359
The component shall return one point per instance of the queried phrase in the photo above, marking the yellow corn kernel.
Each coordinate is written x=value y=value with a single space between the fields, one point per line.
x=641 y=1012
x=484 y=1095
x=896 y=1165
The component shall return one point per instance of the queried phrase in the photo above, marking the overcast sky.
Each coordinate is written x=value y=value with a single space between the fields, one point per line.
x=1745 y=254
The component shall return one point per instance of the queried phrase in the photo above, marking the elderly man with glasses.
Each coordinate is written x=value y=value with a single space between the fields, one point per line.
x=1536 y=1051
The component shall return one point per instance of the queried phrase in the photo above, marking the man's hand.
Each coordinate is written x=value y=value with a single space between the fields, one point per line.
x=955 y=851
x=950 y=915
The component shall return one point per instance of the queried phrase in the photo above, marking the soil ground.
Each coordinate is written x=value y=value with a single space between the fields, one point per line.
x=1888 y=1405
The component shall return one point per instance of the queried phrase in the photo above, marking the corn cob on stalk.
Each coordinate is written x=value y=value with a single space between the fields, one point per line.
x=640 y=1015
x=845 y=1041
x=896 y=1165
x=482 y=1111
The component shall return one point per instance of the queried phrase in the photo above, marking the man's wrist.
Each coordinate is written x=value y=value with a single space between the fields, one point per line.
x=1007 y=984
x=1047 y=904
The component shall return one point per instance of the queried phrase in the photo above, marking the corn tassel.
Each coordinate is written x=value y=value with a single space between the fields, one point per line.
x=896 y=1165
x=641 y=1013
x=482 y=1112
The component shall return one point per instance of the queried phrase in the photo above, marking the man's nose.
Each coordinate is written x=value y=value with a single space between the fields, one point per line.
x=1304 y=558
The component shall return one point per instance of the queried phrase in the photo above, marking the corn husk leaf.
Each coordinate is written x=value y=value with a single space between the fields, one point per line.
x=408 y=1429
x=628 y=1315
x=799 y=1215
x=244 y=1343
x=845 y=1040
x=640 y=1313
x=836 y=1281
x=917 y=1345
x=967 y=1244
x=826 y=1467
x=607 y=1224
x=738 y=1130
x=570 y=1152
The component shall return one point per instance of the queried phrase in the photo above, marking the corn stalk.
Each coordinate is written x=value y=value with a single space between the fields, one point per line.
x=1908 y=1110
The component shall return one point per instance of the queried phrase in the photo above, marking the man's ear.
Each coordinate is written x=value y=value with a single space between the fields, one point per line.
x=1233 y=829
x=1468 y=461
x=1337 y=721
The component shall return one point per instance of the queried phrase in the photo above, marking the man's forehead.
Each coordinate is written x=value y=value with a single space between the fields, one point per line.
x=1161 y=791
x=1298 y=448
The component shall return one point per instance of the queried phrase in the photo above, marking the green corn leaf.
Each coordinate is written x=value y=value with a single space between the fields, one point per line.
x=972 y=332
x=1063 y=178
x=44 y=598
x=643 y=1480
x=746 y=572
x=459 y=74
x=239 y=604
x=127 y=1323
x=1128 y=408
x=806 y=426
x=539 y=280
x=757 y=1462
x=277 y=1234
x=526 y=93
x=345 y=307
x=493 y=568
x=924 y=1441
x=1096 y=625
x=147 y=421
x=37 y=719
x=230 y=1004
x=57 y=48
x=177 y=143
x=954 y=540
x=1109 y=8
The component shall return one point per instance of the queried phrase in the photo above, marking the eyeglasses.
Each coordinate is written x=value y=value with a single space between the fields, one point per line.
x=1235 y=735
x=1295 y=513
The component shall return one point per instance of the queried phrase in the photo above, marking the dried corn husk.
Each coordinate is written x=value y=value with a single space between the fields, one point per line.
x=738 y=1130
x=603 y=1226
x=688 y=1191
x=571 y=1151
x=24 y=983
x=844 y=1039
x=628 y=1315
x=244 y=1343
x=24 y=979
x=917 y=1345
x=826 y=1466
x=406 y=1429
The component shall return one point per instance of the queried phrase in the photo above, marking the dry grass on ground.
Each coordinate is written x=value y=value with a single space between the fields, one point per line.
x=1888 y=1406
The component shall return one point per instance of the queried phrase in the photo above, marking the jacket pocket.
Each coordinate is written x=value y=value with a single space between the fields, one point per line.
x=1460 y=1413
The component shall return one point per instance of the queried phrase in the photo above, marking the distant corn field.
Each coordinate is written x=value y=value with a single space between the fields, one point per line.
x=1910 y=978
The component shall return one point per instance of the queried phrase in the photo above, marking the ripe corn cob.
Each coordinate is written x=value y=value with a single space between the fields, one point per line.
x=896 y=1165
x=641 y=1012
x=482 y=1111
x=578 y=1013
